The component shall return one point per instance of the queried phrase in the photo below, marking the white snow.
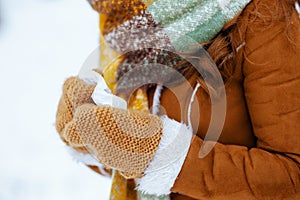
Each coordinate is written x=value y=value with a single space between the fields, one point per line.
x=42 y=42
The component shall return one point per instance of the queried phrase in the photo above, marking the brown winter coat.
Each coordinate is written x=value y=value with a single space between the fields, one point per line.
x=258 y=154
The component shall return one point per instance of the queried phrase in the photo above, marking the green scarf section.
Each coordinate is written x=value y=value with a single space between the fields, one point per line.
x=187 y=22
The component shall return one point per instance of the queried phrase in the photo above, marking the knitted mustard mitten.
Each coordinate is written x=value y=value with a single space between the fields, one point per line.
x=120 y=139
x=75 y=93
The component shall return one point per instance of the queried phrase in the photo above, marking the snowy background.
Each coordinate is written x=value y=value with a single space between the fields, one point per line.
x=42 y=42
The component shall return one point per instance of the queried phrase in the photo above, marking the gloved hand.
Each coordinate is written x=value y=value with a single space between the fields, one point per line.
x=124 y=140
x=75 y=93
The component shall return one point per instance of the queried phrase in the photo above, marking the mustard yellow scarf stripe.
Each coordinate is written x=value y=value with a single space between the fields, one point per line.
x=121 y=189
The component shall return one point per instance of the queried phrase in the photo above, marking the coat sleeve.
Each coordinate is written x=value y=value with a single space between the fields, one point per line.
x=272 y=90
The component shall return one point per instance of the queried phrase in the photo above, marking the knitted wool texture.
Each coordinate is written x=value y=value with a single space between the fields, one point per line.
x=75 y=93
x=120 y=139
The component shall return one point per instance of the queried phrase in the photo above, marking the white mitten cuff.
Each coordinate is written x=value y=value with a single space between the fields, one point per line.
x=163 y=170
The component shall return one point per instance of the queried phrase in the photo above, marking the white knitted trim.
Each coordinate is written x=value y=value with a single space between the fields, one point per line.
x=86 y=159
x=163 y=170
x=156 y=100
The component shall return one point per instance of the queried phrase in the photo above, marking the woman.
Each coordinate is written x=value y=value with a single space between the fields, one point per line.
x=255 y=45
